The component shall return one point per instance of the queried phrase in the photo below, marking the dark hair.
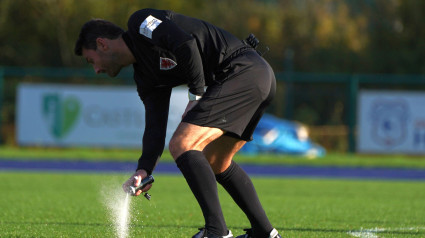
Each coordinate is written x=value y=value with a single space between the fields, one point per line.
x=94 y=29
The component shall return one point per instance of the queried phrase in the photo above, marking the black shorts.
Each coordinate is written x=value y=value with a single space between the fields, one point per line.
x=236 y=103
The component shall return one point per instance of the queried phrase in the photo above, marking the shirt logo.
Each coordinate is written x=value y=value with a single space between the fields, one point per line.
x=148 y=26
x=166 y=63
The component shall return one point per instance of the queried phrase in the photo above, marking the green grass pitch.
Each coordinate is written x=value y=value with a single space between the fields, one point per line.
x=72 y=205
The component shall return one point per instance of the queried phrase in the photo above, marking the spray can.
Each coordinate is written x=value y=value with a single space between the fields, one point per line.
x=147 y=180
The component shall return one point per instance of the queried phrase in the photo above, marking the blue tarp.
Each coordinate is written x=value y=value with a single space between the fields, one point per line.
x=275 y=135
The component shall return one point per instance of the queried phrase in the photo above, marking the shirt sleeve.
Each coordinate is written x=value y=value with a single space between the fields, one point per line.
x=156 y=27
x=156 y=112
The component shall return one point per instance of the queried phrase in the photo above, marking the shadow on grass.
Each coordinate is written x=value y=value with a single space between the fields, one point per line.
x=54 y=223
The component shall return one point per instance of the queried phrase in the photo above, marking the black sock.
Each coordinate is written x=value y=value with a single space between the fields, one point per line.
x=238 y=184
x=201 y=180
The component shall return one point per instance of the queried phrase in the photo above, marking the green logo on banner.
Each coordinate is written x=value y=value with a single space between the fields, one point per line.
x=60 y=113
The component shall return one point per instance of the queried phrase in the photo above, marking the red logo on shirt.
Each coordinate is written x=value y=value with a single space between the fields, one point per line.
x=166 y=63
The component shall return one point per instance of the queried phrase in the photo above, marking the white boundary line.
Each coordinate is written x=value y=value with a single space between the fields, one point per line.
x=373 y=232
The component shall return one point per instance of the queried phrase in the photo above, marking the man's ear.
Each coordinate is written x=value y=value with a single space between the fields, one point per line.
x=102 y=44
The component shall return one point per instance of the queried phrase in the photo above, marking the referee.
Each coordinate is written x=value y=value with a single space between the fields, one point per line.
x=229 y=87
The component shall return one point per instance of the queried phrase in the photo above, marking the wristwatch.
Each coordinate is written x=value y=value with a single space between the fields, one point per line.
x=193 y=97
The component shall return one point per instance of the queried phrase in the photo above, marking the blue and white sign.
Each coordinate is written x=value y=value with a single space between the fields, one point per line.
x=391 y=122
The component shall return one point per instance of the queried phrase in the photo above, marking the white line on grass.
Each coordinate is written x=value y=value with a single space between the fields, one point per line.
x=373 y=232
x=366 y=233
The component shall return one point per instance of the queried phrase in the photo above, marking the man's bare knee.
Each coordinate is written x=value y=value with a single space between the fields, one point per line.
x=191 y=137
x=220 y=152
x=176 y=147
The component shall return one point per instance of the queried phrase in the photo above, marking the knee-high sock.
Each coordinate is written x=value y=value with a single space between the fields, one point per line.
x=238 y=184
x=201 y=180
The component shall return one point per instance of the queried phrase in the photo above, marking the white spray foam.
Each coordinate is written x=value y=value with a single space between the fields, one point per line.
x=366 y=233
x=118 y=204
x=374 y=232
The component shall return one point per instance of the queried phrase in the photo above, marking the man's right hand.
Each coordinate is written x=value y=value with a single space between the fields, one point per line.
x=135 y=180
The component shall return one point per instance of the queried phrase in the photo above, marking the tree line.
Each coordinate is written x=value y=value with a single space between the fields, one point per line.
x=349 y=36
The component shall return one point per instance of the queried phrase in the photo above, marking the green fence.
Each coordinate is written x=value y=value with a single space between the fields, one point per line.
x=290 y=91
x=1 y=100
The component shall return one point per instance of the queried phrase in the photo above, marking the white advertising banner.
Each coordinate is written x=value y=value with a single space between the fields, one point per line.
x=101 y=116
x=391 y=122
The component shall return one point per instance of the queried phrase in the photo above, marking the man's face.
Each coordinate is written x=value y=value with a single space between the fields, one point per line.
x=103 y=60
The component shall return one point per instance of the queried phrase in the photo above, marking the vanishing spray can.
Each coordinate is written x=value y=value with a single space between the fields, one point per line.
x=147 y=180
